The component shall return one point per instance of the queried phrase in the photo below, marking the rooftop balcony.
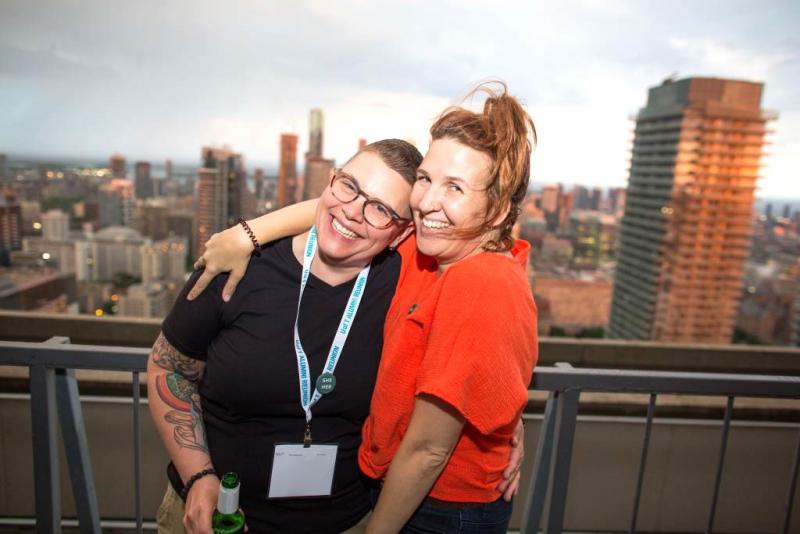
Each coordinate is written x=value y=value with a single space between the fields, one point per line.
x=620 y=436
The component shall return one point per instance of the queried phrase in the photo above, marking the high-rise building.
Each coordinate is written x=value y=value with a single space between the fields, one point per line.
x=318 y=174
x=117 y=203
x=119 y=169
x=168 y=169
x=287 y=172
x=258 y=178
x=685 y=232
x=143 y=180
x=316 y=125
x=164 y=260
x=10 y=222
x=220 y=191
x=361 y=144
x=4 y=175
x=55 y=226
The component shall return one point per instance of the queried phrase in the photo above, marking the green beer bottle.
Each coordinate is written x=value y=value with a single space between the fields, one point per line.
x=227 y=518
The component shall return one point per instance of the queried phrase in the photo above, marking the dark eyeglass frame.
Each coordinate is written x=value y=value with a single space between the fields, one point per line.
x=338 y=174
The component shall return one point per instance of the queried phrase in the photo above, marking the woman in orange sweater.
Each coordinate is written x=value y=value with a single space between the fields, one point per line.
x=460 y=336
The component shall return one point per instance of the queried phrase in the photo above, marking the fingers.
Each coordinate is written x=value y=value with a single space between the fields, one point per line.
x=230 y=286
x=201 y=284
x=513 y=487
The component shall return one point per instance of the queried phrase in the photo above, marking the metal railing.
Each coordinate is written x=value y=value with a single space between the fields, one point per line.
x=54 y=397
x=556 y=437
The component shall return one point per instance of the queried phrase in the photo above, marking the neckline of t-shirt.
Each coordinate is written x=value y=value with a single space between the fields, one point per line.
x=314 y=280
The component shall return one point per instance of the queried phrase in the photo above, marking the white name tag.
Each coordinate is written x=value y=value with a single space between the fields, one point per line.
x=299 y=471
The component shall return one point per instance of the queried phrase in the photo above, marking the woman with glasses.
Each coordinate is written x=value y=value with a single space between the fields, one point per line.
x=460 y=338
x=275 y=383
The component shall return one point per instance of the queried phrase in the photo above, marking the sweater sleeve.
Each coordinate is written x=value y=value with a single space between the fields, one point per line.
x=481 y=344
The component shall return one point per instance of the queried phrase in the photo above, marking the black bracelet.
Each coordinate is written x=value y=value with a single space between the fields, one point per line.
x=256 y=246
x=194 y=478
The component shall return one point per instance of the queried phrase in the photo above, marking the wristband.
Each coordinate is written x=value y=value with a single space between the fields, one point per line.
x=256 y=247
x=194 y=478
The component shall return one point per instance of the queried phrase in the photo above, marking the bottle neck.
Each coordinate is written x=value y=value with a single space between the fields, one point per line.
x=228 y=501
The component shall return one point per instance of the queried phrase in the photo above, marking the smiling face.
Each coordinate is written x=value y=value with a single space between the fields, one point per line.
x=344 y=237
x=450 y=196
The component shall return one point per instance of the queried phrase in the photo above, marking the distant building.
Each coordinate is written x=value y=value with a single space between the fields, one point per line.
x=316 y=127
x=4 y=174
x=32 y=289
x=143 y=181
x=168 y=169
x=287 y=172
x=593 y=237
x=685 y=232
x=55 y=226
x=361 y=144
x=150 y=218
x=258 y=178
x=10 y=222
x=117 y=203
x=318 y=175
x=220 y=191
x=164 y=260
x=145 y=300
x=119 y=169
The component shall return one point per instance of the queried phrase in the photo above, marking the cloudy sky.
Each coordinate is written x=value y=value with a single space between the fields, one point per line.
x=156 y=79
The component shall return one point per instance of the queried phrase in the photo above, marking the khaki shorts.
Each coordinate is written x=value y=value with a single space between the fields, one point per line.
x=170 y=516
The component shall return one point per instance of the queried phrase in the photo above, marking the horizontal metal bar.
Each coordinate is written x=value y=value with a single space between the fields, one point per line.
x=113 y=358
x=101 y=358
x=723 y=384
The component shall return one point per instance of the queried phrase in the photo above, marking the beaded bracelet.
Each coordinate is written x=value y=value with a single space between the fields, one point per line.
x=256 y=246
x=194 y=478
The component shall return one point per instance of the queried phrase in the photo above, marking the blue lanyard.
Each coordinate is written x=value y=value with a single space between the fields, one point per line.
x=308 y=400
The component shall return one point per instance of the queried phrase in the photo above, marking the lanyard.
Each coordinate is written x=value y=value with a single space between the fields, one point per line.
x=307 y=400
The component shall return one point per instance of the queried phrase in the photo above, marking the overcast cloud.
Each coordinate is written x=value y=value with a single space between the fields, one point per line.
x=154 y=80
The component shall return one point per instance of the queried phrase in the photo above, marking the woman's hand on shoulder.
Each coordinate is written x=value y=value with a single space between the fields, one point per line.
x=226 y=251
x=200 y=505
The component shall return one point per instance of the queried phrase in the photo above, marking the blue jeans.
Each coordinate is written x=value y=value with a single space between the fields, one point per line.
x=438 y=517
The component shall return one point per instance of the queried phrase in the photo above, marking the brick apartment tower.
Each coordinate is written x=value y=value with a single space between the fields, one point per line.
x=220 y=191
x=287 y=173
x=686 y=229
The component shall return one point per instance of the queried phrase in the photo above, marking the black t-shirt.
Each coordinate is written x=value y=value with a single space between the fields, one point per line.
x=250 y=392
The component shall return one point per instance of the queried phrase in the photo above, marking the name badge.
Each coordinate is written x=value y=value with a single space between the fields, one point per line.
x=299 y=471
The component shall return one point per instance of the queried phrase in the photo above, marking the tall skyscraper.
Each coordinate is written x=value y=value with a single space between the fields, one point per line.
x=119 y=169
x=316 y=125
x=116 y=203
x=287 y=172
x=143 y=181
x=362 y=143
x=168 y=169
x=258 y=178
x=10 y=222
x=4 y=176
x=220 y=191
x=318 y=174
x=685 y=232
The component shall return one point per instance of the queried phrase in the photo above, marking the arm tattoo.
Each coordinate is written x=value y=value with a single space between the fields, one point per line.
x=178 y=389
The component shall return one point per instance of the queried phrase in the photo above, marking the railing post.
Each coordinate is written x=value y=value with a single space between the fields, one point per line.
x=76 y=450
x=45 y=449
x=537 y=490
x=566 y=418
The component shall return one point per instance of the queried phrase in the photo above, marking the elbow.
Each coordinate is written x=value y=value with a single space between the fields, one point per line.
x=431 y=458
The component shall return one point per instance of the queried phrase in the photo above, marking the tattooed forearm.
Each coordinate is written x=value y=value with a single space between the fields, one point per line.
x=177 y=388
x=167 y=357
x=187 y=413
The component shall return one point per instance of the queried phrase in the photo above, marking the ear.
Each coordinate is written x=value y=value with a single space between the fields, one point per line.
x=501 y=216
x=404 y=234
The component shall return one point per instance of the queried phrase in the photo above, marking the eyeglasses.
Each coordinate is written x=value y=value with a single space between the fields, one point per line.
x=377 y=214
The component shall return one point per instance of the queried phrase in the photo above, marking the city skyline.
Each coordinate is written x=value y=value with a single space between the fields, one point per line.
x=146 y=92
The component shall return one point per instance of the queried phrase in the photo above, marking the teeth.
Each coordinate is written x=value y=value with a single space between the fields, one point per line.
x=343 y=231
x=435 y=225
